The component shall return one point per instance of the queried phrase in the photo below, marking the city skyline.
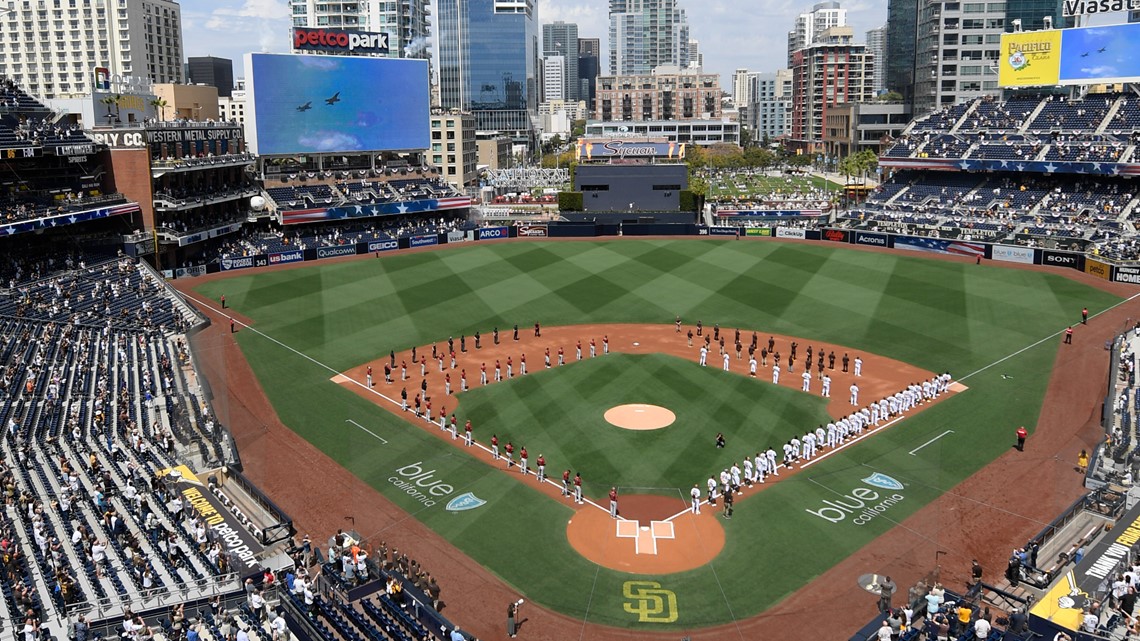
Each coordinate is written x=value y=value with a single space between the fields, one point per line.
x=730 y=37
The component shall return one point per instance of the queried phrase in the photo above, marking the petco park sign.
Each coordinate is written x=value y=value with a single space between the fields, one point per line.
x=339 y=40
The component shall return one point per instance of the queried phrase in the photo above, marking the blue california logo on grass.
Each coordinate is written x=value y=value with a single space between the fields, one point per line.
x=878 y=479
x=465 y=501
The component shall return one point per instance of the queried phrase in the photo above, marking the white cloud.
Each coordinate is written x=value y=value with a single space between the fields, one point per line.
x=322 y=141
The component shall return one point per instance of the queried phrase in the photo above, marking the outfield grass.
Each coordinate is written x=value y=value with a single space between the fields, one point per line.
x=743 y=186
x=936 y=315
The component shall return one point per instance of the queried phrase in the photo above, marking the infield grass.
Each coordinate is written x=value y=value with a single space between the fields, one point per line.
x=937 y=315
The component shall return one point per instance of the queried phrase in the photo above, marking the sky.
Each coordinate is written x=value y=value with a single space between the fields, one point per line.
x=733 y=33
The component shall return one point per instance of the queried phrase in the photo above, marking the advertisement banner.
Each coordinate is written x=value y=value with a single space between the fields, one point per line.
x=280 y=258
x=490 y=233
x=1062 y=259
x=835 y=235
x=423 y=241
x=456 y=237
x=183 y=272
x=791 y=232
x=874 y=240
x=758 y=231
x=594 y=148
x=380 y=246
x=227 y=264
x=533 y=231
x=1097 y=268
x=723 y=231
x=1029 y=59
x=333 y=252
x=339 y=40
x=1123 y=274
x=224 y=526
x=1013 y=254
x=938 y=246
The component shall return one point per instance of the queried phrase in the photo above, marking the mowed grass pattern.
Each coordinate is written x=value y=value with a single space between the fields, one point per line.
x=937 y=315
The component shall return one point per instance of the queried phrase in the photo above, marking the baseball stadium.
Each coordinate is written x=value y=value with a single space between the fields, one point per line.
x=254 y=385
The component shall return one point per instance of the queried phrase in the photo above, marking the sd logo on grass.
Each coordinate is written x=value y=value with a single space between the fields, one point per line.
x=465 y=501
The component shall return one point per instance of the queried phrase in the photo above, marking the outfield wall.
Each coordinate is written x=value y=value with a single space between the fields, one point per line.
x=922 y=244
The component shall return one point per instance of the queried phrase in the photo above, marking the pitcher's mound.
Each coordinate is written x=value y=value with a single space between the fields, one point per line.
x=638 y=416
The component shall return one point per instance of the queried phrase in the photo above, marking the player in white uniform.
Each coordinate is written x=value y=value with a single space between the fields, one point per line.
x=854 y=394
x=875 y=414
x=832 y=435
x=820 y=437
x=772 y=467
x=752 y=367
x=858 y=366
x=809 y=445
x=695 y=493
x=704 y=355
x=807 y=381
x=749 y=474
x=725 y=481
x=726 y=361
x=789 y=454
x=761 y=466
x=712 y=490
x=735 y=472
x=775 y=374
x=826 y=391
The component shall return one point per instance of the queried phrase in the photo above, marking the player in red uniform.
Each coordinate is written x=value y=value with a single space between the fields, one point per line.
x=541 y=468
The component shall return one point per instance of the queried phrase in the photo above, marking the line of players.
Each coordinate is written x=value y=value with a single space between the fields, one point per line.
x=755 y=470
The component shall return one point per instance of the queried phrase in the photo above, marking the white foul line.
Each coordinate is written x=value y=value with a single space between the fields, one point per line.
x=931 y=441
x=374 y=435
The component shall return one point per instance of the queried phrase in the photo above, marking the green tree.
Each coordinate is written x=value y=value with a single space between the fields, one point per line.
x=160 y=104
x=891 y=96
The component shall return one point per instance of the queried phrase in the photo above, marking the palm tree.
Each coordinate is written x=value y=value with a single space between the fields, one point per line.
x=109 y=101
x=160 y=104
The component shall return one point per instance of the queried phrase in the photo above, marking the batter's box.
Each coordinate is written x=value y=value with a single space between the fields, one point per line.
x=644 y=536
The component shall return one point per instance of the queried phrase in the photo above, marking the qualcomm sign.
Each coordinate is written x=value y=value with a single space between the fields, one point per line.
x=422 y=486
x=862 y=504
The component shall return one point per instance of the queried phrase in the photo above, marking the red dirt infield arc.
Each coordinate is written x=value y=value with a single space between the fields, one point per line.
x=982 y=517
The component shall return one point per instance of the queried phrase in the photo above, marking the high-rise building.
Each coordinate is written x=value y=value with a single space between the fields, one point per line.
x=489 y=62
x=50 y=49
x=809 y=25
x=902 y=26
x=561 y=39
x=588 y=70
x=554 y=82
x=215 y=72
x=832 y=70
x=669 y=93
x=453 y=148
x=877 y=46
x=406 y=22
x=770 y=111
x=956 y=52
x=590 y=47
x=696 y=58
x=743 y=87
x=646 y=34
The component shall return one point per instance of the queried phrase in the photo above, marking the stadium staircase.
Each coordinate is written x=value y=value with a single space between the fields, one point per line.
x=1108 y=117
x=1032 y=116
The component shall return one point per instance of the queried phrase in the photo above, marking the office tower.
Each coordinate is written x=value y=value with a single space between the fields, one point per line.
x=809 y=25
x=489 y=63
x=215 y=72
x=877 y=46
x=50 y=49
x=646 y=34
x=561 y=39
x=832 y=70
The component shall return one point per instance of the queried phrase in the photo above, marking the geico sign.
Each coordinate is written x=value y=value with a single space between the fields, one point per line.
x=337 y=39
x=383 y=245
x=861 y=504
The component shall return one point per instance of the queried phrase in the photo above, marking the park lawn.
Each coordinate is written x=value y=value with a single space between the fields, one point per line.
x=761 y=186
x=937 y=315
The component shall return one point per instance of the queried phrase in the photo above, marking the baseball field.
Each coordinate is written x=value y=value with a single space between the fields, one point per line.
x=996 y=330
